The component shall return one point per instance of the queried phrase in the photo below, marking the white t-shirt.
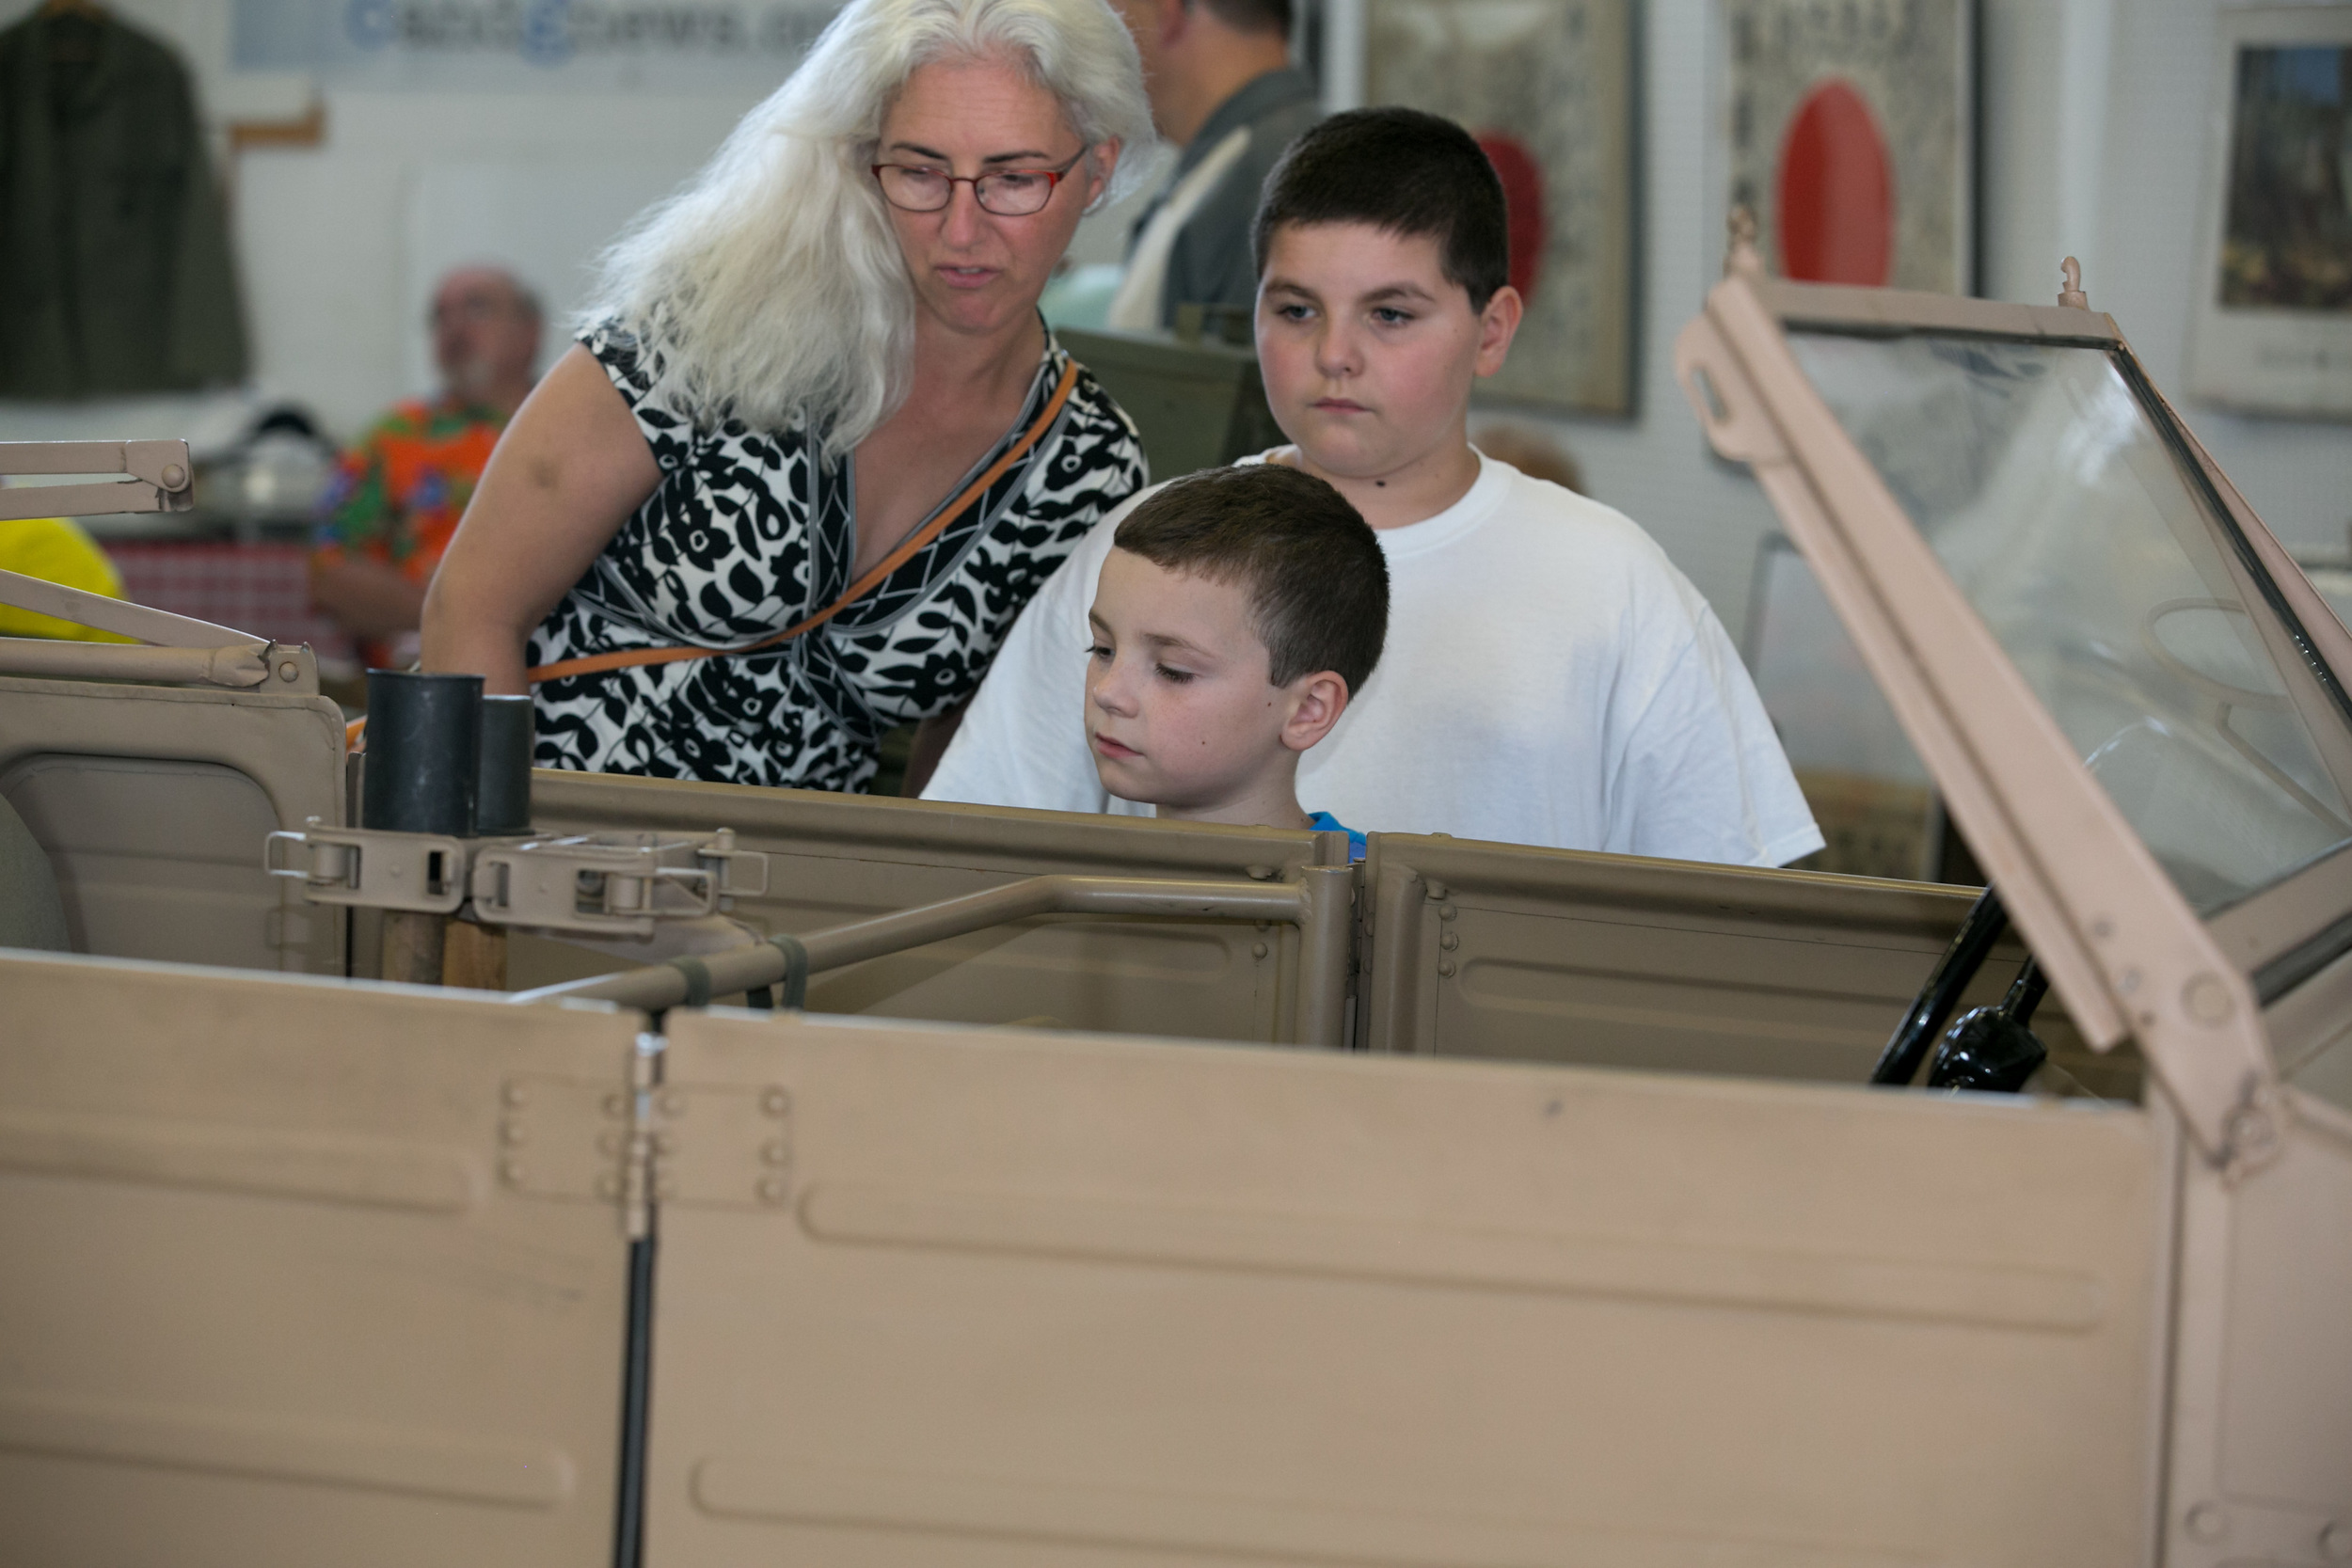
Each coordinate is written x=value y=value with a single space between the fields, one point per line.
x=1550 y=679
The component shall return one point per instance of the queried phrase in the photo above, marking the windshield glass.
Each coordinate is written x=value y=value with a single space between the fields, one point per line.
x=2112 y=579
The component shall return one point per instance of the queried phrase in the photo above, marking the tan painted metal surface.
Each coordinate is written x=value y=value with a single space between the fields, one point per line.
x=1607 y=960
x=147 y=800
x=834 y=859
x=291 y=1279
x=941 y=1298
x=2262 y=1461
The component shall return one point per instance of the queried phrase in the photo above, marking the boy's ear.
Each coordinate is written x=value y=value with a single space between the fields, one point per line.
x=1497 y=324
x=1316 y=703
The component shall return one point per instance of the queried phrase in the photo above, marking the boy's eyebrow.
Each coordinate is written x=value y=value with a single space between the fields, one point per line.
x=1152 y=639
x=1406 y=289
x=1162 y=641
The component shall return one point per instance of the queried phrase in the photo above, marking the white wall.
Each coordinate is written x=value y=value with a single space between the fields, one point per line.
x=2096 y=128
x=338 y=245
x=2097 y=120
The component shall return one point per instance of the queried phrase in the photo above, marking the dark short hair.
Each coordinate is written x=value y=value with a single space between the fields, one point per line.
x=1402 y=171
x=1317 y=581
x=1253 y=16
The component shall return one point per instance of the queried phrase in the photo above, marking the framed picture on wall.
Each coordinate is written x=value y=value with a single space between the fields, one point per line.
x=1547 y=87
x=2271 y=331
x=1850 y=134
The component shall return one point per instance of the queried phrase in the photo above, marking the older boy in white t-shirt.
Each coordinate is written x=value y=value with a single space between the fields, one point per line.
x=1549 y=676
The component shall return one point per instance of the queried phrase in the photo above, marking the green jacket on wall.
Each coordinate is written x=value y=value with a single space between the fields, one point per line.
x=115 y=272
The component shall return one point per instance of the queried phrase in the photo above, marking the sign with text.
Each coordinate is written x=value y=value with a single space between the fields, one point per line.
x=500 y=45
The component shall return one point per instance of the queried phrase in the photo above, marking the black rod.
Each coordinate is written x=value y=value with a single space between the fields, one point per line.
x=1899 y=1062
x=2025 y=994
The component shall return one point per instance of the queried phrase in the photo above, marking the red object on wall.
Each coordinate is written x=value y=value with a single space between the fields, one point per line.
x=1523 y=201
x=1836 y=216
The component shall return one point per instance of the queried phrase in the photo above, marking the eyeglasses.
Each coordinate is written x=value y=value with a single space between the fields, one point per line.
x=1011 y=193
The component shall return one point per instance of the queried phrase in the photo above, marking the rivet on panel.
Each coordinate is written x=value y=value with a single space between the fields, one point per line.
x=1448 y=913
x=2250 y=1130
x=673 y=1103
x=664 y=1144
x=513 y=1133
x=2102 y=928
x=1445 y=966
x=518 y=1094
x=776 y=1153
x=1451 y=941
x=775 y=1190
x=511 y=1171
x=2128 y=982
x=1258 y=949
x=2206 y=1522
x=776 y=1103
x=289 y=669
x=2207 y=999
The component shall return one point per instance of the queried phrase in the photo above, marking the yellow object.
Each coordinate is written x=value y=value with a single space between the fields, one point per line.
x=55 y=549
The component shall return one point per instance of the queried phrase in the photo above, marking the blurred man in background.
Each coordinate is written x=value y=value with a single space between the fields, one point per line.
x=397 y=495
x=1223 y=89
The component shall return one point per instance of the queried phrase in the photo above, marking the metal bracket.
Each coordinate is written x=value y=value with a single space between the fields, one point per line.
x=162 y=479
x=723 y=1145
x=643 y=1144
x=611 y=885
x=379 y=870
x=575 y=1140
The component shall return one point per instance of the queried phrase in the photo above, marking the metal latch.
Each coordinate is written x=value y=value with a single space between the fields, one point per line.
x=616 y=886
x=379 y=870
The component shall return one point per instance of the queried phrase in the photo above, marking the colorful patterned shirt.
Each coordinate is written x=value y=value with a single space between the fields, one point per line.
x=397 y=495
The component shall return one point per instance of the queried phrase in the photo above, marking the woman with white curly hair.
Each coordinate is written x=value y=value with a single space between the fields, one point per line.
x=816 y=448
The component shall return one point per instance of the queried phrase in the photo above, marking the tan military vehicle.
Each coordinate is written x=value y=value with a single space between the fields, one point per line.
x=1122 y=1191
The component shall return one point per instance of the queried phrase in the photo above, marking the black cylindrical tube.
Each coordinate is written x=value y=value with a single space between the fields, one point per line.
x=424 y=745
x=502 y=791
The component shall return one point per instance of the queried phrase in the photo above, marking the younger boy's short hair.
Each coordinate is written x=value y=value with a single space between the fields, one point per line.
x=1317 y=581
x=1402 y=171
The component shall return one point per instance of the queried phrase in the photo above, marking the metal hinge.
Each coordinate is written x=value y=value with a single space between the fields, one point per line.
x=640 y=1146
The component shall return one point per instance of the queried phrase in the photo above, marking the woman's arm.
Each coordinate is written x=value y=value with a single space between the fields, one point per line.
x=570 y=469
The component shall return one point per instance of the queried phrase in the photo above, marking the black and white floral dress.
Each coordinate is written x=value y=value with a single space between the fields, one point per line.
x=749 y=532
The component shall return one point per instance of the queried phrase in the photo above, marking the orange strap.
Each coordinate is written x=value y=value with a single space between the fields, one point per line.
x=594 y=664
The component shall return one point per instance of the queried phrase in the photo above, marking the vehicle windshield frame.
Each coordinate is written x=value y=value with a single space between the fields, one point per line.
x=2069 y=865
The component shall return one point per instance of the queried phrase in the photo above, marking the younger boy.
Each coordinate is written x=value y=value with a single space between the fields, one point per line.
x=1551 y=677
x=1236 y=613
